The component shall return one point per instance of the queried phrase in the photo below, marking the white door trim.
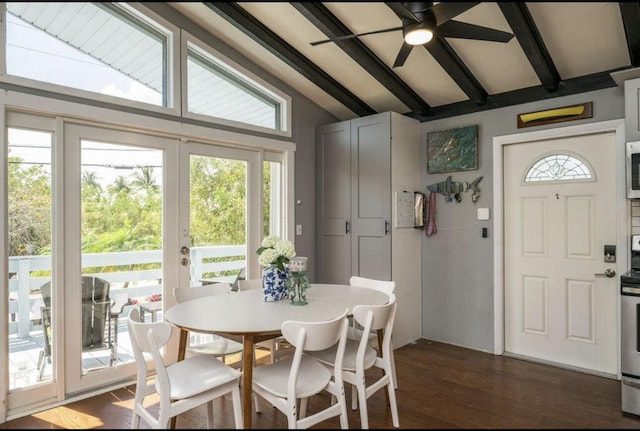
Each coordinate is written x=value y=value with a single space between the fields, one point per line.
x=622 y=207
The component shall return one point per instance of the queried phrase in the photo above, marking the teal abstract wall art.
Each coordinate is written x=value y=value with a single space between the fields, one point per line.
x=452 y=150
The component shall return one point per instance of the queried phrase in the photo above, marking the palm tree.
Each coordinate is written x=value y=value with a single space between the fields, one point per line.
x=143 y=178
x=89 y=178
x=120 y=183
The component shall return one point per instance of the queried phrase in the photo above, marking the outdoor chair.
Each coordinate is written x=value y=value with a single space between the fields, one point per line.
x=301 y=376
x=180 y=386
x=97 y=330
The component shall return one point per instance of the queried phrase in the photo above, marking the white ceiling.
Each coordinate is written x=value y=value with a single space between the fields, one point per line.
x=500 y=69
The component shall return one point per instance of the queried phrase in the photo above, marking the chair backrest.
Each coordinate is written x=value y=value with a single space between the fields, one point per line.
x=255 y=283
x=313 y=336
x=182 y=294
x=96 y=309
x=385 y=286
x=242 y=275
x=375 y=317
x=149 y=338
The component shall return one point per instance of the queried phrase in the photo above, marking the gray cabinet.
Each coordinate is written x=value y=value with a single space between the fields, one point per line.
x=361 y=163
x=355 y=194
x=632 y=109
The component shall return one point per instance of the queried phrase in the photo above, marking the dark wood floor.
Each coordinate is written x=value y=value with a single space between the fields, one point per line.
x=440 y=386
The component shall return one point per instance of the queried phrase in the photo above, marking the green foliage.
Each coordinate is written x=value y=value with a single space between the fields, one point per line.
x=29 y=208
x=127 y=215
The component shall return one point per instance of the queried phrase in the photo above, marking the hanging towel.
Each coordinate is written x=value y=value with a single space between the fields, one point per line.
x=431 y=218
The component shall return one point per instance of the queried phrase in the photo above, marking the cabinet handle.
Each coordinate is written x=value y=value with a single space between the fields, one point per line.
x=386 y=227
x=347 y=226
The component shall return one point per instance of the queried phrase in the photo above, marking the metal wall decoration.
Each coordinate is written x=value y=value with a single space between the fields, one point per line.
x=452 y=150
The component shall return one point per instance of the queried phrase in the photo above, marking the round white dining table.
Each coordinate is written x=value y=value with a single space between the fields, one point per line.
x=245 y=314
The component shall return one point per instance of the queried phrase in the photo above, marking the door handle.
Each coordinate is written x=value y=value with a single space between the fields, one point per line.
x=184 y=261
x=347 y=227
x=609 y=272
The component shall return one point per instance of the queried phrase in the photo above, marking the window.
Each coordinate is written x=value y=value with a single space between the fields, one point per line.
x=218 y=90
x=558 y=167
x=95 y=47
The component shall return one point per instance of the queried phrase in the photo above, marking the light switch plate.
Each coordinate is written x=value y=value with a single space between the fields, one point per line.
x=483 y=213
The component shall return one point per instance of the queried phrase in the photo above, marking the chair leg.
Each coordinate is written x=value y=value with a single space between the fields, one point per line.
x=393 y=405
x=237 y=407
x=210 y=415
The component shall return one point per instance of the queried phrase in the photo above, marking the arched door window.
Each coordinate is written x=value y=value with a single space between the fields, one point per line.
x=558 y=167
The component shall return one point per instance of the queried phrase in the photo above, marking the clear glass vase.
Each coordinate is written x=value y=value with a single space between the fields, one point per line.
x=297 y=285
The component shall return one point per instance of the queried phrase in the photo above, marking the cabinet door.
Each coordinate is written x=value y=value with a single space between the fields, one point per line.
x=371 y=196
x=334 y=240
x=632 y=109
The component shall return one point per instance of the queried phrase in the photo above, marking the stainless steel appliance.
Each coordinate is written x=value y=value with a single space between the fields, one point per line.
x=633 y=170
x=630 y=331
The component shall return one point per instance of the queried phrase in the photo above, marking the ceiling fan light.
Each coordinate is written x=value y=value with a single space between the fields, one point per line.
x=418 y=34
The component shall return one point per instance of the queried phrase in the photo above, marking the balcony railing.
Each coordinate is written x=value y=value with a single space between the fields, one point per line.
x=29 y=273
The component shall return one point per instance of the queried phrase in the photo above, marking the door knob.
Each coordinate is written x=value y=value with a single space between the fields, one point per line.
x=609 y=272
x=184 y=250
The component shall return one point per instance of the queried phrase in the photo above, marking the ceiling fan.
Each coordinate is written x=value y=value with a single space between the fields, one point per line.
x=422 y=21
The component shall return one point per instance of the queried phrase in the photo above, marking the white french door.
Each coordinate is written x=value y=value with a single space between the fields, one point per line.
x=118 y=192
x=220 y=212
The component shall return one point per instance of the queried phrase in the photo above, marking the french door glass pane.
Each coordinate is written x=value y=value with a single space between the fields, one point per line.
x=217 y=219
x=29 y=209
x=121 y=240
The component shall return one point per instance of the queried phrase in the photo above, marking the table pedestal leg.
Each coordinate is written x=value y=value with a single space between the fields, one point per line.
x=247 y=377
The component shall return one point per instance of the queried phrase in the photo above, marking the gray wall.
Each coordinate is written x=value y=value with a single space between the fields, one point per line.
x=306 y=117
x=457 y=263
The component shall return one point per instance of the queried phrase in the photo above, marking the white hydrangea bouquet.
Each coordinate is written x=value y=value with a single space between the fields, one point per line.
x=275 y=251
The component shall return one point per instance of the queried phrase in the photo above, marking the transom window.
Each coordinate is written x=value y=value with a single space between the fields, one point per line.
x=558 y=167
x=223 y=91
x=95 y=47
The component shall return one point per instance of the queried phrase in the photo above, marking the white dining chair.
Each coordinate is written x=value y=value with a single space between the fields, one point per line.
x=276 y=346
x=300 y=376
x=355 y=331
x=208 y=344
x=359 y=356
x=180 y=386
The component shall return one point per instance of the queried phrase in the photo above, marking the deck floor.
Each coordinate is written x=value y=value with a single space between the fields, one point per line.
x=24 y=354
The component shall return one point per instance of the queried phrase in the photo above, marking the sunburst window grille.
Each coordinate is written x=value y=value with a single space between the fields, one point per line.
x=558 y=167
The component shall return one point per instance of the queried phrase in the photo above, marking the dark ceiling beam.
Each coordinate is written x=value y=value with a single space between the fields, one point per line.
x=630 y=12
x=583 y=84
x=455 y=67
x=250 y=26
x=525 y=30
x=320 y=16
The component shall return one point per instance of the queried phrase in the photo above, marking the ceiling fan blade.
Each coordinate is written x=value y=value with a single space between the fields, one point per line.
x=402 y=12
x=351 y=36
x=403 y=54
x=446 y=11
x=464 y=30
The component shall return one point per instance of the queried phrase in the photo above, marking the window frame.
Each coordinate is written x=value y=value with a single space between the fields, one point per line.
x=204 y=51
x=135 y=12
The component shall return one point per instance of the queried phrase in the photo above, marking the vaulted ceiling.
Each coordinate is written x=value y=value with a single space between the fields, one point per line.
x=558 y=49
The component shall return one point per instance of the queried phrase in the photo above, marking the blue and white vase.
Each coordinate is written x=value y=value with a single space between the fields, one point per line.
x=273 y=284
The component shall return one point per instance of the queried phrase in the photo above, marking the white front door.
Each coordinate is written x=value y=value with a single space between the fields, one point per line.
x=559 y=213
